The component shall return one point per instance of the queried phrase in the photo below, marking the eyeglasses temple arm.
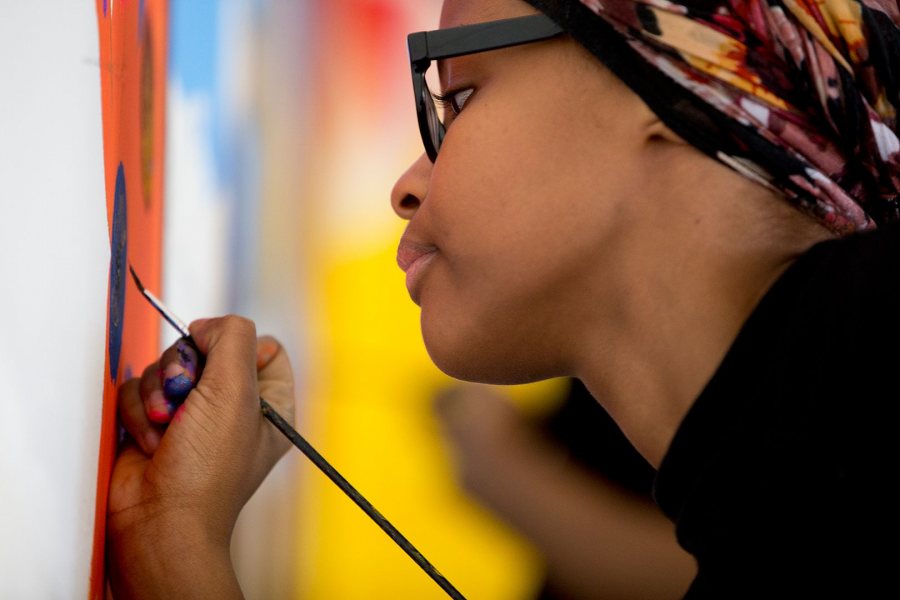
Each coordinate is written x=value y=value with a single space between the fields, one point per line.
x=481 y=37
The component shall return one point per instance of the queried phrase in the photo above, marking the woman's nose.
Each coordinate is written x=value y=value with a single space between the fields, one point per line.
x=410 y=190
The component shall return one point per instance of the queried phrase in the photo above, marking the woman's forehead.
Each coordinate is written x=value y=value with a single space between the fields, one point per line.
x=466 y=12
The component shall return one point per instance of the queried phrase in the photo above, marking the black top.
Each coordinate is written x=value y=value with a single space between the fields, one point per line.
x=780 y=478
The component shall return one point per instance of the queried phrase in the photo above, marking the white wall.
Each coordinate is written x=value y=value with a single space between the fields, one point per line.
x=54 y=264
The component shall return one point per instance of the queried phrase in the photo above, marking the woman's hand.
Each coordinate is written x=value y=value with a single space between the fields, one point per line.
x=182 y=477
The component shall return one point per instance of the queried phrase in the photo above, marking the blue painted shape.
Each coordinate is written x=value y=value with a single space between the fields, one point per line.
x=118 y=268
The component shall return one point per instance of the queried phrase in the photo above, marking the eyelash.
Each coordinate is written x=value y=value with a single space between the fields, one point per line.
x=446 y=100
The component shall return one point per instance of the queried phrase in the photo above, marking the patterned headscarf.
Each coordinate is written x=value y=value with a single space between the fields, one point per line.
x=801 y=96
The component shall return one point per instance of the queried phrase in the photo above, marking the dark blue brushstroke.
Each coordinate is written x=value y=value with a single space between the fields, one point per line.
x=140 y=18
x=118 y=267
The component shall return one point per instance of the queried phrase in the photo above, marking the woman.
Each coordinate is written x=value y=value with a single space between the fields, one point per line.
x=662 y=223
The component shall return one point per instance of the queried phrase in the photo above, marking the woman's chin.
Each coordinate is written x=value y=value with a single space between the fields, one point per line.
x=477 y=361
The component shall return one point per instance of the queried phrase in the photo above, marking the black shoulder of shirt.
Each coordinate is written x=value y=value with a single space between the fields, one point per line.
x=777 y=477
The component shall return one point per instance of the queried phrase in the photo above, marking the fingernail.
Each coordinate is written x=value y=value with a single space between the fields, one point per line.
x=187 y=358
x=159 y=410
x=151 y=440
x=266 y=350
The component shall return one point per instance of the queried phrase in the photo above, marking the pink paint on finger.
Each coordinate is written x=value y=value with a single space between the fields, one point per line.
x=159 y=409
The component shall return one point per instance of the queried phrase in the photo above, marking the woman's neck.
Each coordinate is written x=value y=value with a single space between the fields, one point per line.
x=689 y=281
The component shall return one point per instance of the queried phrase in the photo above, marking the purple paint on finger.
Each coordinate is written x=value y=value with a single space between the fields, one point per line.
x=188 y=358
x=177 y=388
x=181 y=377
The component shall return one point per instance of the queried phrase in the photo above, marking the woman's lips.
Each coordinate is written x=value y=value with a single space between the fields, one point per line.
x=413 y=258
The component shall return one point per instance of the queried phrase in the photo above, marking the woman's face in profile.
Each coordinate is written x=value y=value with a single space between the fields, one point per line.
x=517 y=223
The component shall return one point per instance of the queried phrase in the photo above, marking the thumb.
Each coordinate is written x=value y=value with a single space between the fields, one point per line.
x=276 y=379
x=276 y=385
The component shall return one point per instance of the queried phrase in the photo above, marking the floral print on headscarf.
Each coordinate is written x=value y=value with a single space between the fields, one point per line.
x=819 y=80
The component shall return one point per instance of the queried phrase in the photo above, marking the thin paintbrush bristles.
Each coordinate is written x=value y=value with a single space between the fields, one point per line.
x=158 y=305
x=136 y=280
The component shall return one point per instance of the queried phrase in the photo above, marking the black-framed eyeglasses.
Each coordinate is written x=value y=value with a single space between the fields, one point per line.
x=426 y=46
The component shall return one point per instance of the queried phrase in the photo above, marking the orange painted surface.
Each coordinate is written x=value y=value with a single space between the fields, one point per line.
x=133 y=56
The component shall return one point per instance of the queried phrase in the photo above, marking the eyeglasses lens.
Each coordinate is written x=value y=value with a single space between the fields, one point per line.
x=435 y=126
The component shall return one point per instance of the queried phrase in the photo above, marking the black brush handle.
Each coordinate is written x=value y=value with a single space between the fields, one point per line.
x=317 y=459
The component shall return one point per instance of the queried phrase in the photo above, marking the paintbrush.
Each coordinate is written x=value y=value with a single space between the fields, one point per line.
x=306 y=448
